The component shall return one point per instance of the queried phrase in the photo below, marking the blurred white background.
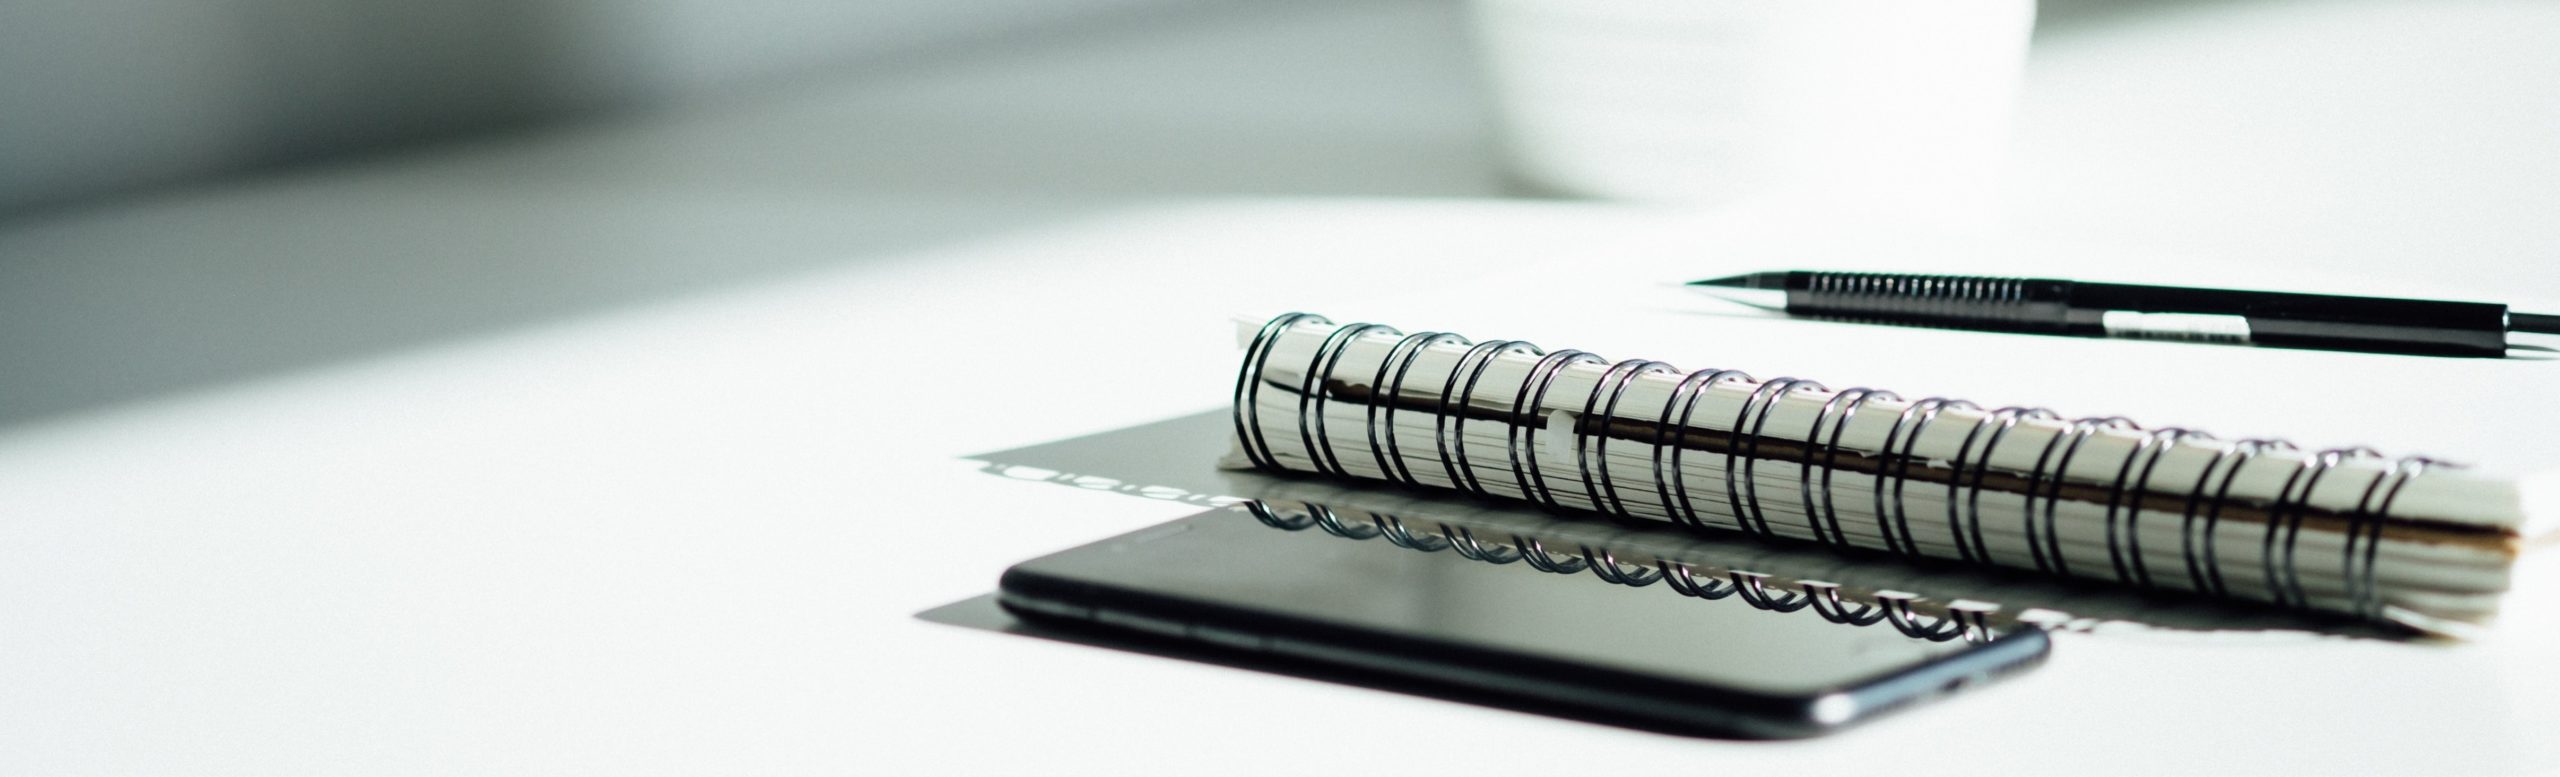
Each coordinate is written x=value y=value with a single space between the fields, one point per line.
x=199 y=192
x=193 y=193
x=108 y=96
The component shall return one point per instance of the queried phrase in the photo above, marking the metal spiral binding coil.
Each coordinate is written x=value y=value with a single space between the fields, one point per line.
x=1382 y=407
x=1464 y=542
x=2286 y=588
x=1332 y=524
x=1826 y=603
x=2364 y=590
x=1270 y=516
x=1968 y=623
x=1968 y=473
x=1604 y=565
x=1745 y=500
x=1851 y=399
x=2204 y=566
x=2005 y=419
x=1897 y=468
x=1604 y=486
x=1675 y=489
x=1450 y=428
x=1248 y=409
x=2048 y=551
x=1753 y=588
x=1679 y=577
x=1526 y=421
x=1393 y=529
x=1312 y=394
x=1535 y=554
x=2126 y=555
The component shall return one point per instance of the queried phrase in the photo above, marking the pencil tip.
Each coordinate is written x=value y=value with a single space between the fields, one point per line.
x=1763 y=290
x=1756 y=280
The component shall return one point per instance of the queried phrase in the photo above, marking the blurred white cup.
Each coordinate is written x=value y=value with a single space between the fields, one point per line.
x=1870 y=108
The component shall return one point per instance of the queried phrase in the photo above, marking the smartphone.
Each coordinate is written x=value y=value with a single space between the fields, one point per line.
x=1540 y=628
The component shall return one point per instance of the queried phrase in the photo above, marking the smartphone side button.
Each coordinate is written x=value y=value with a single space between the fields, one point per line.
x=1136 y=622
x=1050 y=607
x=1230 y=638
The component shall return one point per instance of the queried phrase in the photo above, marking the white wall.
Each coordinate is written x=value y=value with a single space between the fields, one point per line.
x=109 y=96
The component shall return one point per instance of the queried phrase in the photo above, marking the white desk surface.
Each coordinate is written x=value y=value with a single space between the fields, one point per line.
x=634 y=448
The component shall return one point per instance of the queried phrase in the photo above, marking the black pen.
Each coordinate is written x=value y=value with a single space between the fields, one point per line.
x=2047 y=306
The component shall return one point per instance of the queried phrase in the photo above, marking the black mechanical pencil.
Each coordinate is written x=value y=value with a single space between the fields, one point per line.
x=2047 y=306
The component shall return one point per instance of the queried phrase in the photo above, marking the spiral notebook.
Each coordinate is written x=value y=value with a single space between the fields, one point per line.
x=2405 y=539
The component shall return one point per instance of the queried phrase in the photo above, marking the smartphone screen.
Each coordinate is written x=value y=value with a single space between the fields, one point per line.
x=1508 y=614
